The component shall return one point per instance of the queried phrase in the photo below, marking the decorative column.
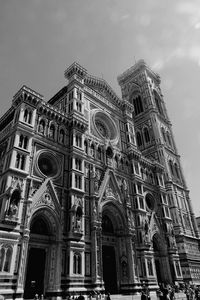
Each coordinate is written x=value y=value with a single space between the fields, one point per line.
x=22 y=262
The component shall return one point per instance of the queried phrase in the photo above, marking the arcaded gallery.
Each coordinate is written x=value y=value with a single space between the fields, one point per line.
x=92 y=193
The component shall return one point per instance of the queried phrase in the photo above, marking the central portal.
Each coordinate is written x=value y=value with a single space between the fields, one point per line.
x=109 y=269
x=35 y=273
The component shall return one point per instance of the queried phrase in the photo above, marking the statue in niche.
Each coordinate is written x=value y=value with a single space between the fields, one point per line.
x=96 y=175
x=78 y=219
x=146 y=231
x=41 y=127
x=14 y=203
x=61 y=136
x=13 y=209
x=94 y=210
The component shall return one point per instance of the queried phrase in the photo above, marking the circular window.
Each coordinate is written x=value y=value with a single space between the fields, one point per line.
x=48 y=164
x=101 y=128
x=150 y=202
x=105 y=126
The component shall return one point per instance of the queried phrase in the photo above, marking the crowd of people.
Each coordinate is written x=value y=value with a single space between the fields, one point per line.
x=168 y=292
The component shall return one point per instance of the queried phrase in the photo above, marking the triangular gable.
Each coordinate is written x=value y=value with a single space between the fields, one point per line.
x=102 y=87
x=46 y=197
x=109 y=187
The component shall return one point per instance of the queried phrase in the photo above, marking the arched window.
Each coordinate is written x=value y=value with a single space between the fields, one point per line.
x=77 y=263
x=139 y=139
x=2 y=258
x=146 y=135
x=138 y=107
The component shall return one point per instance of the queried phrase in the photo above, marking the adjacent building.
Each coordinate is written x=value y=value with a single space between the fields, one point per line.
x=92 y=193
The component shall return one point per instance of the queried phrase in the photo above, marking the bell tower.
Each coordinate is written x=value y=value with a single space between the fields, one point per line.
x=154 y=138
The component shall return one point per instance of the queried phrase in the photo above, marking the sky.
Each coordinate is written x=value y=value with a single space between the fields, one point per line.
x=39 y=39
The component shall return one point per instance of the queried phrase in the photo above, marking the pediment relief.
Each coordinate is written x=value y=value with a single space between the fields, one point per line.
x=46 y=197
x=110 y=192
x=109 y=188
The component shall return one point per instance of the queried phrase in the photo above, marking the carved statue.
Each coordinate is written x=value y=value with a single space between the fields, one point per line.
x=12 y=209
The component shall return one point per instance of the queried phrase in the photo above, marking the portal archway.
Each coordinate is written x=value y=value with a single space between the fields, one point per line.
x=161 y=260
x=113 y=227
x=42 y=246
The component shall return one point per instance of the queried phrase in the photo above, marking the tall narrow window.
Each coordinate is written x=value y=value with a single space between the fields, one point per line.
x=78 y=164
x=139 y=139
x=26 y=115
x=2 y=258
x=92 y=150
x=7 y=260
x=77 y=263
x=171 y=167
x=86 y=147
x=137 y=102
x=30 y=117
x=23 y=141
x=177 y=170
x=163 y=134
x=20 y=161
x=78 y=140
x=169 y=139
x=146 y=135
x=99 y=153
x=78 y=181
x=158 y=104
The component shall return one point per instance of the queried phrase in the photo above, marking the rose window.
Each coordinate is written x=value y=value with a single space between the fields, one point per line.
x=105 y=126
x=48 y=164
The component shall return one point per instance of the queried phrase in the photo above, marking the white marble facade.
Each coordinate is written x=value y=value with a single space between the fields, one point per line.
x=92 y=194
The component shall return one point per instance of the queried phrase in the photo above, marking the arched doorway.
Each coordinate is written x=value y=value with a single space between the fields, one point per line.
x=38 y=252
x=109 y=256
x=114 y=241
x=161 y=260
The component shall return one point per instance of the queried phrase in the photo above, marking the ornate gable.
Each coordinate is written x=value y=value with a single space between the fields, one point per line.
x=103 y=88
x=46 y=197
x=109 y=188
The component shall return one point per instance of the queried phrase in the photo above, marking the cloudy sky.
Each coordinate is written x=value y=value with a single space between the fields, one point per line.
x=39 y=39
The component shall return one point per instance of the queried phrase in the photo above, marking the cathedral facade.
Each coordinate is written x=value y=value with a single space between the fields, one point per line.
x=92 y=194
